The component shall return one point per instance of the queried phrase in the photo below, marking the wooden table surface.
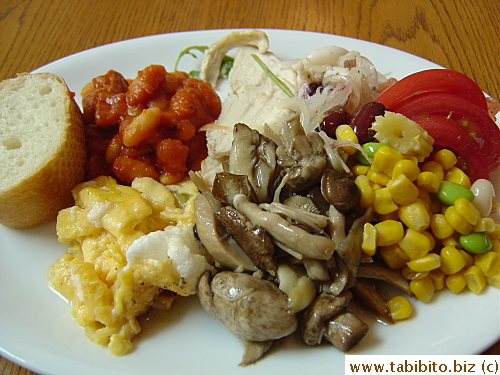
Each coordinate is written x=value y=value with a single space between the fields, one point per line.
x=457 y=34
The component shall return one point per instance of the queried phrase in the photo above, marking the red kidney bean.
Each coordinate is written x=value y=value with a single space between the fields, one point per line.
x=363 y=118
x=335 y=116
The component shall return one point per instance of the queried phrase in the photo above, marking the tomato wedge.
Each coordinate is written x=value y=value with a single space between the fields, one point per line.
x=475 y=121
x=444 y=80
x=446 y=134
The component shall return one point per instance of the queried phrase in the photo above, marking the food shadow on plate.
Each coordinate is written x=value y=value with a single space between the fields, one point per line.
x=158 y=321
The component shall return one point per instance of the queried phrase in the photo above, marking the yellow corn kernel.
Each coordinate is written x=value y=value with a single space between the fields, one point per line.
x=369 y=243
x=494 y=281
x=411 y=158
x=476 y=281
x=488 y=262
x=345 y=132
x=485 y=225
x=410 y=274
x=360 y=169
x=452 y=241
x=456 y=282
x=495 y=246
x=406 y=167
x=415 y=215
x=467 y=210
x=445 y=157
x=455 y=174
x=366 y=191
x=438 y=278
x=399 y=307
x=458 y=223
x=376 y=186
x=428 y=181
x=494 y=206
x=393 y=256
x=377 y=177
x=451 y=260
x=423 y=289
x=440 y=226
x=402 y=190
x=385 y=159
x=469 y=260
x=424 y=195
x=389 y=232
x=431 y=238
x=415 y=244
x=434 y=167
x=495 y=235
x=382 y=201
x=427 y=263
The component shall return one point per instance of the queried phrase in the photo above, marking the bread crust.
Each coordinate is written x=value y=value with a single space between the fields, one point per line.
x=37 y=198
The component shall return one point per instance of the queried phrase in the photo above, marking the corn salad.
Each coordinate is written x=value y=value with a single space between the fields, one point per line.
x=429 y=224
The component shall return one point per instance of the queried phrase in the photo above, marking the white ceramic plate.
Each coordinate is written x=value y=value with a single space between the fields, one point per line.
x=37 y=332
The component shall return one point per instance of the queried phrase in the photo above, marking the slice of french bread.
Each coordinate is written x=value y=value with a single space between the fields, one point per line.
x=42 y=149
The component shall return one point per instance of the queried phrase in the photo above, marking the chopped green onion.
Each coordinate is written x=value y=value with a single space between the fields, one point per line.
x=273 y=77
x=187 y=51
x=226 y=66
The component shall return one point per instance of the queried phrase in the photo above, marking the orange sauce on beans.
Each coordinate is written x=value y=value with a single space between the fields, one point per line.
x=149 y=126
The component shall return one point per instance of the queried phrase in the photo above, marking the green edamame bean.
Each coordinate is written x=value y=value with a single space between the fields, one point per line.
x=449 y=192
x=475 y=242
x=370 y=148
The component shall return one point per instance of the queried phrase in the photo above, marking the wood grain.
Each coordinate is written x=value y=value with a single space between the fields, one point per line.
x=457 y=34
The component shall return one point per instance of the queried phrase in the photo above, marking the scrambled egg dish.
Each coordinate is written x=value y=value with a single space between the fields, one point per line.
x=128 y=245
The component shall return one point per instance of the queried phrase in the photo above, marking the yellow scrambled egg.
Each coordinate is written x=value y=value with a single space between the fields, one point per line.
x=127 y=245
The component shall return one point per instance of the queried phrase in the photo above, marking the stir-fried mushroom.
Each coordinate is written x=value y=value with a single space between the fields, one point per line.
x=324 y=307
x=349 y=246
x=218 y=244
x=340 y=277
x=305 y=219
x=394 y=278
x=254 y=156
x=303 y=203
x=254 y=350
x=316 y=269
x=302 y=156
x=340 y=191
x=309 y=245
x=254 y=309
x=227 y=185
x=345 y=330
x=365 y=291
x=254 y=241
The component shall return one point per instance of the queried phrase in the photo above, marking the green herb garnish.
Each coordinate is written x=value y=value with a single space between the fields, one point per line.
x=225 y=68
x=187 y=51
x=273 y=77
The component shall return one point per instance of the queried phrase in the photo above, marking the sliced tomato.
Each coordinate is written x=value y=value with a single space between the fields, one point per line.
x=475 y=121
x=444 y=80
x=446 y=134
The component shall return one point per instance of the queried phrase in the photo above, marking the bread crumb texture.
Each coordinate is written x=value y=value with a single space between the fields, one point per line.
x=42 y=149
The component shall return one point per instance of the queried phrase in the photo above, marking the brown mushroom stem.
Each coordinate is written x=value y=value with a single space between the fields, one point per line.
x=254 y=350
x=365 y=291
x=254 y=240
x=309 y=245
x=345 y=330
x=324 y=307
x=218 y=243
x=379 y=272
